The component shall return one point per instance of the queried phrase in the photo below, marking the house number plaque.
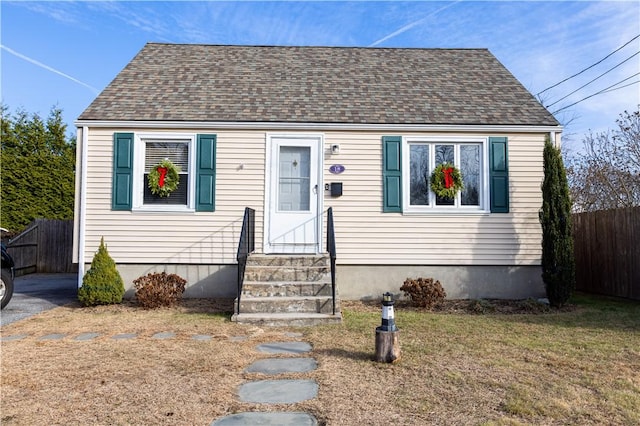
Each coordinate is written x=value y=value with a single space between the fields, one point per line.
x=336 y=169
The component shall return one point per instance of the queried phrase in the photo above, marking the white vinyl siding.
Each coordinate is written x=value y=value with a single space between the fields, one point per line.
x=365 y=236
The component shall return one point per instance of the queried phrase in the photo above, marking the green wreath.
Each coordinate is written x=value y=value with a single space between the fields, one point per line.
x=164 y=178
x=446 y=181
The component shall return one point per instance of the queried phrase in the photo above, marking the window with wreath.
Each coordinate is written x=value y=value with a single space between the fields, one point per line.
x=457 y=166
x=471 y=173
x=164 y=172
x=161 y=159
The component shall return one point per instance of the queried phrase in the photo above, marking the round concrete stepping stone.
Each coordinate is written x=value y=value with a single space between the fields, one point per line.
x=285 y=347
x=164 y=335
x=125 y=336
x=267 y=419
x=13 y=337
x=86 y=336
x=54 y=336
x=278 y=391
x=282 y=365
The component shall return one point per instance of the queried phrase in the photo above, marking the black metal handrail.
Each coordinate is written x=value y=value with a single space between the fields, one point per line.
x=246 y=245
x=331 y=248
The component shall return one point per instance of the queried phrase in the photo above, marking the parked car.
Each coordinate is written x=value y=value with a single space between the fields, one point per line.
x=6 y=283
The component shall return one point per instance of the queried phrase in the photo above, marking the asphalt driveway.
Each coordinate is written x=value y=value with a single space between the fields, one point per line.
x=35 y=293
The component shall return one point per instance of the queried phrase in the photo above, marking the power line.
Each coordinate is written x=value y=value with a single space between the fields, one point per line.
x=622 y=87
x=589 y=67
x=585 y=85
x=605 y=90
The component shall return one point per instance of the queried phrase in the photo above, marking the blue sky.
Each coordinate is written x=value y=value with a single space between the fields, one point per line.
x=63 y=53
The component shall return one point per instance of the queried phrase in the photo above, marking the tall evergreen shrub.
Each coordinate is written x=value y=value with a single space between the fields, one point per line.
x=37 y=168
x=558 y=264
x=102 y=283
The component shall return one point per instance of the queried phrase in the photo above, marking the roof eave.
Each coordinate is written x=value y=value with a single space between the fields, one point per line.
x=262 y=125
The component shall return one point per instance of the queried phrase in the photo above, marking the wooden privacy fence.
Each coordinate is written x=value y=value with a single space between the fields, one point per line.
x=607 y=252
x=45 y=246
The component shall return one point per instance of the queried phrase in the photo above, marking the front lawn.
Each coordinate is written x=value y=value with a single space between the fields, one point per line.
x=580 y=366
x=577 y=366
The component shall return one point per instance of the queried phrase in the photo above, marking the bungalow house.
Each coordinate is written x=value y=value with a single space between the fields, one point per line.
x=293 y=132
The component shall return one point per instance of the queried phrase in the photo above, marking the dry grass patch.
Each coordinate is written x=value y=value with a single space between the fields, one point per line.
x=579 y=366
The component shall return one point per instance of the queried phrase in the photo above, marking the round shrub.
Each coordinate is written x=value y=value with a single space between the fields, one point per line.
x=424 y=292
x=159 y=289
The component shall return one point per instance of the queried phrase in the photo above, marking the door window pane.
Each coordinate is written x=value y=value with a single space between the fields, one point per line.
x=470 y=169
x=294 y=178
x=419 y=175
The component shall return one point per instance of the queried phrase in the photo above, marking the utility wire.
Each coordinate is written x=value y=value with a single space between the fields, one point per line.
x=606 y=89
x=585 y=85
x=622 y=87
x=588 y=68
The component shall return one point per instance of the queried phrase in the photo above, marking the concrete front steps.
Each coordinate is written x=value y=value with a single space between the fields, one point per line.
x=287 y=290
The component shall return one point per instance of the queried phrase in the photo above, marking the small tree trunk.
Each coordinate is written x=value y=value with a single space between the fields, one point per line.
x=387 y=346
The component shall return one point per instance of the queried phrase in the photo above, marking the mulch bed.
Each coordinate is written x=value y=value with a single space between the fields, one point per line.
x=448 y=306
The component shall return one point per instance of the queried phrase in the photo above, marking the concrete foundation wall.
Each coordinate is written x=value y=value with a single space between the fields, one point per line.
x=460 y=282
x=356 y=282
x=203 y=281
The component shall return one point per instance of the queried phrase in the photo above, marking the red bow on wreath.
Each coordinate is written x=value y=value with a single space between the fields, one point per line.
x=163 y=173
x=448 y=179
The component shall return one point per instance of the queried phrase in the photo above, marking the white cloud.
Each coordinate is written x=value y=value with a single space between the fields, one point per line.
x=62 y=11
x=146 y=18
x=412 y=25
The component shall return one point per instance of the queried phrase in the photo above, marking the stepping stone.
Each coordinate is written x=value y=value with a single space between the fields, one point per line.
x=86 y=336
x=55 y=336
x=278 y=391
x=125 y=336
x=267 y=419
x=282 y=365
x=14 y=337
x=164 y=335
x=285 y=348
x=201 y=337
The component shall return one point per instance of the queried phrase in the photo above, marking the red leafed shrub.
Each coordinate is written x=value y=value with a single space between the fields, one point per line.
x=159 y=289
x=424 y=292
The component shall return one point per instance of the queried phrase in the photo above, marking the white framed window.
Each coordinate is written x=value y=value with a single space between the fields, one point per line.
x=421 y=155
x=152 y=148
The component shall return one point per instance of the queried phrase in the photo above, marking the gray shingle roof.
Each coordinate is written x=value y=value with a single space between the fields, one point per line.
x=178 y=82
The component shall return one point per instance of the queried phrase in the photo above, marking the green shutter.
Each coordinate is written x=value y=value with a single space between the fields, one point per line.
x=122 y=171
x=391 y=174
x=499 y=175
x=205 y=173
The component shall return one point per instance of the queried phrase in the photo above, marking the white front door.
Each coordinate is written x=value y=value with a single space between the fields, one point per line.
x=293 y=204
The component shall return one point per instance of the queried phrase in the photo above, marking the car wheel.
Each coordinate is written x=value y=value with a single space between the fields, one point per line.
x=6 y=287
